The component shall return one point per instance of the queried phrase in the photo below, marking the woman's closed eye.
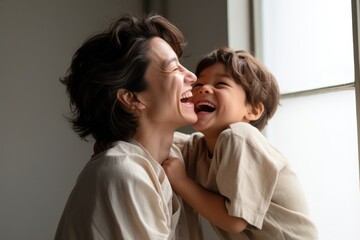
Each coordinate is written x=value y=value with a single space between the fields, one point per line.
x=171 y=70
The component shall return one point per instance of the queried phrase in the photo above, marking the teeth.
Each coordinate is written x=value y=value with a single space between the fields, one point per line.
x=206 y=104
x=186 y=95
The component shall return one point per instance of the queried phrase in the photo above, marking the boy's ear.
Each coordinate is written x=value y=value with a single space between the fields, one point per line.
x=254 y=112
x=129 y=100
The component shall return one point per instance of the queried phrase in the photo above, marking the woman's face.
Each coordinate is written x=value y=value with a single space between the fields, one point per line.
x=169 y=88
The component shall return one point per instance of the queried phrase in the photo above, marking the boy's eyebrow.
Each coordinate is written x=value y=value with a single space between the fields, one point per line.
x=222 y=75
x=218 y=75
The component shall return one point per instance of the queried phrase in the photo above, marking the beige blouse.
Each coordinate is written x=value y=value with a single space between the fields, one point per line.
x=123 y=193
x=256 y=179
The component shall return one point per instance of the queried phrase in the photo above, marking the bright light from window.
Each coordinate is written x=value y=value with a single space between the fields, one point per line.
x=318 y=136
x=307 y=43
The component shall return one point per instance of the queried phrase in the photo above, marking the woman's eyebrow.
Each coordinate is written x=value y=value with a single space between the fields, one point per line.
x=167 y=62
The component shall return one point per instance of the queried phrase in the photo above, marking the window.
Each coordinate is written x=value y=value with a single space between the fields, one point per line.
x=309 y=46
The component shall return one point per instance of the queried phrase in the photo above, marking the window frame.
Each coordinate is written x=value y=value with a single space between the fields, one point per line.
x=257 y=49
x=355 y=5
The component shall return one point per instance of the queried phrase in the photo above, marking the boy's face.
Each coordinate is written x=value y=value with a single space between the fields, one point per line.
x=218 y=100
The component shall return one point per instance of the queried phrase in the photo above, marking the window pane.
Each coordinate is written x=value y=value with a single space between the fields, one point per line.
x=308 y=44
x=318 y=136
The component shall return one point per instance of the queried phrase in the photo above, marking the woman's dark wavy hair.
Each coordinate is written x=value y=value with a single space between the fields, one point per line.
x=115 y=59
x=259 y=84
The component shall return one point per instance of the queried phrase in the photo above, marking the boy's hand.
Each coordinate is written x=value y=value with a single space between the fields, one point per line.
x=175 y=171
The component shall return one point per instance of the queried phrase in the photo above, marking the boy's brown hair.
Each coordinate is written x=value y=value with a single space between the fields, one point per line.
x=259 y=84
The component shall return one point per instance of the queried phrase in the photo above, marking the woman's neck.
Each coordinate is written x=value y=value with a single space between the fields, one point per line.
x=156 y=141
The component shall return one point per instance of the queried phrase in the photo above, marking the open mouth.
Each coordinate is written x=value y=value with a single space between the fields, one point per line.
x=185 y=97
x=204 y=107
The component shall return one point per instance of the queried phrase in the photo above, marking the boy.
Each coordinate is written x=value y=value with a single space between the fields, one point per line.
x=236 y=179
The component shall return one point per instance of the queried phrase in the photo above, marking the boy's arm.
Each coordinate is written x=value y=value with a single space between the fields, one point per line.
x=208 y=204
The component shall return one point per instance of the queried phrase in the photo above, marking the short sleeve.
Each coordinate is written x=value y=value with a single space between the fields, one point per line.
x=247 y=174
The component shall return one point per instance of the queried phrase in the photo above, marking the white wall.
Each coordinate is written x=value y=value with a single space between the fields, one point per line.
x=40 y=155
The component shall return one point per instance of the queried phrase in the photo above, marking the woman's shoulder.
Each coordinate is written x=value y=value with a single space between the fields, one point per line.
x=122 y=160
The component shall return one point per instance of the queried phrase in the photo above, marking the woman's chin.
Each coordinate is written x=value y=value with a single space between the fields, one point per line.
x=191 y=118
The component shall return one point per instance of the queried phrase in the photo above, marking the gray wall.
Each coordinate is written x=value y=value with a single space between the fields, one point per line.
x=40 y=156
x=204 y=24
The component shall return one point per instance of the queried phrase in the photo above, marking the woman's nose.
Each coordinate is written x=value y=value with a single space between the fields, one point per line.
x=190 y=77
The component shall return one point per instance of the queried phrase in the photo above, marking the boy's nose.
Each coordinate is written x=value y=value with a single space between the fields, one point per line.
x=205 y=89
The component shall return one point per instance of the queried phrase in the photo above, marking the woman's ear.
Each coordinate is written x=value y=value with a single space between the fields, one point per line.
x=129 y=100
x=254 y=112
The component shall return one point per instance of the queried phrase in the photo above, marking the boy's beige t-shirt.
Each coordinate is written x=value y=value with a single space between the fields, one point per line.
x=123 y=193
x=255 y=178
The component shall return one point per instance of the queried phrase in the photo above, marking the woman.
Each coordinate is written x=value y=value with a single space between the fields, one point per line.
x=129 y=92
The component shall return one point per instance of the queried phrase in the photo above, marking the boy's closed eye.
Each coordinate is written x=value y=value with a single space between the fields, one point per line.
x=222 y=84
x=197 y=85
